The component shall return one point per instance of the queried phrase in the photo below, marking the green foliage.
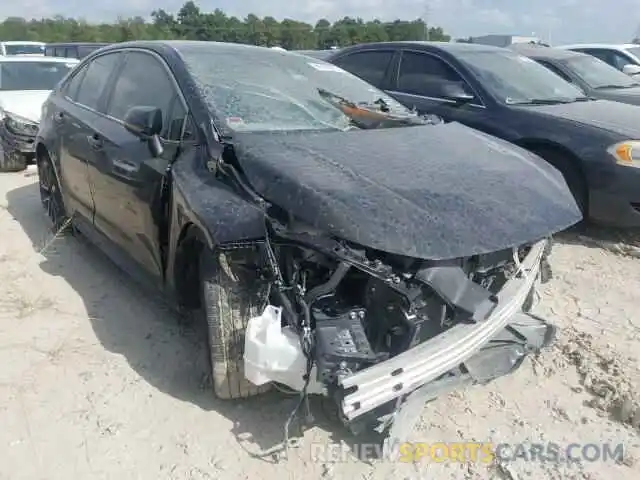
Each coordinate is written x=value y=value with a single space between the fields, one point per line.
x=193 y=24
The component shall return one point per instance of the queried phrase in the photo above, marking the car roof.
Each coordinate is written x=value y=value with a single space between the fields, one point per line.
x=539 y=51
x=194 y=46
x=20 y=42
x=319 y=54
x=615 y=46
x=39 y=59
x=453 y=47
x=73 y=44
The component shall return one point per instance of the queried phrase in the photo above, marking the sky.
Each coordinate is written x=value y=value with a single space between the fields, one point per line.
x=557 y=21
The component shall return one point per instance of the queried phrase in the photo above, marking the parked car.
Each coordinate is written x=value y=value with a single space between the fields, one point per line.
x=625 y=57
x=72 y=50
x=25 y=83
x=594 y=77
x=234 y=177
x=21 y=48
x=594 y=143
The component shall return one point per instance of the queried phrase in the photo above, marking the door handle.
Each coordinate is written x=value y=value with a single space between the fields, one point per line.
x=95 y=141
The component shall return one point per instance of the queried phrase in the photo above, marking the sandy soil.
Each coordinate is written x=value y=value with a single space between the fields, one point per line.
x=99 y=382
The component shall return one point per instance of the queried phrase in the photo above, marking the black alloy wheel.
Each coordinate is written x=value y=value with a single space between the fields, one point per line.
x=50 y=194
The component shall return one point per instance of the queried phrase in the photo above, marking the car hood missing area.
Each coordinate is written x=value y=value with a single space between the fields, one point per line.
x=433 y=192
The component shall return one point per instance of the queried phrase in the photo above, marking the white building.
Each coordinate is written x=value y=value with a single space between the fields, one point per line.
x=504 y=40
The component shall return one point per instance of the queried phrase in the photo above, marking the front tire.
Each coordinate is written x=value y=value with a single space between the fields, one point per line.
x=51 y=195
x=229 y=298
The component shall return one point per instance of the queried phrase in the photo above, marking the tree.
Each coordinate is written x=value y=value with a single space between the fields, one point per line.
x=193 y=24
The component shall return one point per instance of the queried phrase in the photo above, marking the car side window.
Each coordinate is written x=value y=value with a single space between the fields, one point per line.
x=427 y=75
x=72 y=86
x=180 y=119
x=620 y=60
x=143 y=81
x=605 y=55
x=96 y=78
x=49 y=52
x=556 y=70
x=71 y=52
x=371 y=66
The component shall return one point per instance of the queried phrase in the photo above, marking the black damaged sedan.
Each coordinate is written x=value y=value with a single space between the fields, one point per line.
x=329 y=238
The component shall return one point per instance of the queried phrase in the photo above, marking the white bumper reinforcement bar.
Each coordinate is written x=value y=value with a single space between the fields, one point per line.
x=424 y=363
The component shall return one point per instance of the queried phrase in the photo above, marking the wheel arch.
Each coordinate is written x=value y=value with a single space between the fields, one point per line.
x=192 y=241
x=546 y=148
x=539 y=147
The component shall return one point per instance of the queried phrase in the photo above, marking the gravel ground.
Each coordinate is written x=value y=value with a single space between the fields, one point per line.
x=99 y=382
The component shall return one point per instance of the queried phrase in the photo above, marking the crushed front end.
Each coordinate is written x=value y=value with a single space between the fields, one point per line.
x=376 y=327
x=17 y=140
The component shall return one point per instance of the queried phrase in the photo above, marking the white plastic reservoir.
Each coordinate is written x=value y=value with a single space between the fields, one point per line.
x=273 y=353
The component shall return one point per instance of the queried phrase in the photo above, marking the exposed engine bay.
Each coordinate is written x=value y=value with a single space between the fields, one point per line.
x=353 y=308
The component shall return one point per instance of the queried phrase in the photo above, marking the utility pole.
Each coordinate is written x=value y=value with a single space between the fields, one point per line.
x=427 y=10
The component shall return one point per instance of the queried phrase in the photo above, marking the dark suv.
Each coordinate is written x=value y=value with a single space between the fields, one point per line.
x=71 y=50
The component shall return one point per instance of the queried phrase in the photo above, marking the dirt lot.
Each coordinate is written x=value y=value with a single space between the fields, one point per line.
x=98 y=381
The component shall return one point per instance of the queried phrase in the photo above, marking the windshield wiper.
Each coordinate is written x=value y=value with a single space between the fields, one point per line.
x=616 y=86
x=379 y=104
x=369 y=115
x=542 y=101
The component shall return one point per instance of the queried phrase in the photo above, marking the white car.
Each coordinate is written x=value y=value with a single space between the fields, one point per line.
x=22 y=48
x=25 y=83
x=625 y=57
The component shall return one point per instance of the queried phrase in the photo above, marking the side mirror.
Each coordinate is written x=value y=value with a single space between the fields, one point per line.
x=455 y=91
x=631 y=69
x=146 y=123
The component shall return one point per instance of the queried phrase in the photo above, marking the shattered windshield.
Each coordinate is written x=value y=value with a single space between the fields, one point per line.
x=253 y=89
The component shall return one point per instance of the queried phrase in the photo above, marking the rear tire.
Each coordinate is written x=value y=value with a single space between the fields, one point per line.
x=229 y=299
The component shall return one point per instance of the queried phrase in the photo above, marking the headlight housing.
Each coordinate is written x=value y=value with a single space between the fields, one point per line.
x=626 y=153
x=17 y=124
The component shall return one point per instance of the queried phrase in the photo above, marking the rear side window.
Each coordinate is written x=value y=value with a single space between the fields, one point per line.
x=95 y=79
x=143 y=81
x=371 y=66
x=71 y=52
x=49 y=52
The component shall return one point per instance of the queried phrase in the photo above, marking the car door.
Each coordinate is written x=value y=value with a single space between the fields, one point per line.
x=372 y=66
x=74 y=121
x=127 y=179
x=421 y=82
